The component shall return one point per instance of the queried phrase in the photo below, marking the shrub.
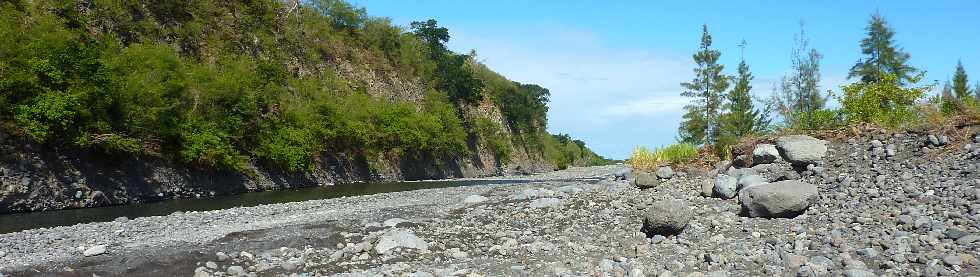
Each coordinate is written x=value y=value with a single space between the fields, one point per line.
x=885 y=102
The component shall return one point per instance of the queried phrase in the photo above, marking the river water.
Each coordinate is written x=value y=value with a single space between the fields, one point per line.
x=23 y=221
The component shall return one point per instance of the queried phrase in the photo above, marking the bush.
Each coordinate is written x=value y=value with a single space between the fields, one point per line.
x=886 y=102
x=643 y=159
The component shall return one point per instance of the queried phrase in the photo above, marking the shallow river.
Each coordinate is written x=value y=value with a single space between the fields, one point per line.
x=22 y=221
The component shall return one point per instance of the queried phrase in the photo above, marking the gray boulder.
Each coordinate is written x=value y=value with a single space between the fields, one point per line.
x=666 y=218
x=785 y=199
x=665 y=172
x=749 y=181
x=646 y=181
x=801 y=150
x=725 y=186
x=623 y=173
x=765 y=154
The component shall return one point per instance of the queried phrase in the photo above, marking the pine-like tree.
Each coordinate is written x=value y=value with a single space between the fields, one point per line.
x=741 y=117
x=700 y=125
x=799 y=95
x=961 y=87
x=948 y=101
x=883 y=55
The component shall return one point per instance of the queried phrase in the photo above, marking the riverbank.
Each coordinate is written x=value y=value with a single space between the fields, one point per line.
x=159 y=238
x=881 y=204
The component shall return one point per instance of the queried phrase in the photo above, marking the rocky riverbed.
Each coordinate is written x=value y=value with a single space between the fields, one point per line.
x=878 y=204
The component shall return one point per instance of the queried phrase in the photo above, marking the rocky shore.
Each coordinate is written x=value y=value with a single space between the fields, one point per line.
x=873 y=204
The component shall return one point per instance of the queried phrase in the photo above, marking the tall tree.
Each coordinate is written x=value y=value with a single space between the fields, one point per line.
x=882 y=54
x=700 y=124
x=799 y=94
x=960 y=84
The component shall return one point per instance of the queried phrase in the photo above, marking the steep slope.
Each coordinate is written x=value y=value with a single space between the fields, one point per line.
x=111 y=102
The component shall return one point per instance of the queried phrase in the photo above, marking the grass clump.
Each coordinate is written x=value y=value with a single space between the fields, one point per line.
x=644 y=159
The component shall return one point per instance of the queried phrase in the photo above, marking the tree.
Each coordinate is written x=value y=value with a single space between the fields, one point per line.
x=799 y=96
x=741 y=118
x=961 y=87
x=947 y=99
x=883 y=55
x=700 y=123
x=433 y=35
x=453 y=75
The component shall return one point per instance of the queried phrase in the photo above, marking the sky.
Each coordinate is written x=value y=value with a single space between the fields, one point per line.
x=614 y=68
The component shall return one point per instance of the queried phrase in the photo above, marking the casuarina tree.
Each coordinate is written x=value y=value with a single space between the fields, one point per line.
x=700 y=122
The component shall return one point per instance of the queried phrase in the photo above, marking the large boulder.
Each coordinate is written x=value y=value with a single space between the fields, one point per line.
x=784 y=199
x=666 y=218
x=801 y=150
x=725 y=186
x=765 y=154
x=646 y=180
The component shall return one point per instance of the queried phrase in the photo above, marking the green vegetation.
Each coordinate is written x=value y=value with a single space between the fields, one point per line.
x=799 y=100
x=643 y=159
x=228 y=83
x=563 y=152
x=886 y=94
x=700 y=123
x=883 y=56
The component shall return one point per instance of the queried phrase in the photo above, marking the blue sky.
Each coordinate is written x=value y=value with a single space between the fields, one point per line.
x=614 y=68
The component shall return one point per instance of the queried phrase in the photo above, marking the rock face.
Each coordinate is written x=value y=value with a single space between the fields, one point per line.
x=784 y=199
x=765 y=154
x=801 y=150
x=399 y=238
x=725 y=186
x=666 y=218
x=646 y=181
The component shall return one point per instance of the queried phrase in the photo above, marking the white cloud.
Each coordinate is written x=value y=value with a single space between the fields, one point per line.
x=595 y=89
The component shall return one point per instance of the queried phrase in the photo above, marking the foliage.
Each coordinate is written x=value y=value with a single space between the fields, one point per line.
x=885 y=102
x=644 y=159
x=741 y=118
x=227 y=83
x=700 y=123
x=564 y=152
x=799 y=93
x=883 y=56
x=495 y=138
x=961 y=87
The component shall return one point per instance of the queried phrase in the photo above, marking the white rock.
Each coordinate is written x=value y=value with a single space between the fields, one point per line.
x=394 y=222
x=765 y=154
x=473 y=199
x=95 y=251
x=396 y=238
x=546 y=203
